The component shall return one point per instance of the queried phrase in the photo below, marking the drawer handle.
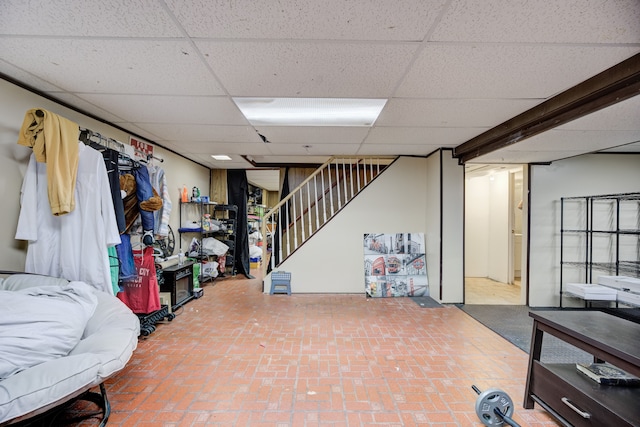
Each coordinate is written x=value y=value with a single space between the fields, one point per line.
x=583 y=414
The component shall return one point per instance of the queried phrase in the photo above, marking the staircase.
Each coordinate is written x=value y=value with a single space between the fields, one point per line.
x=314 y=202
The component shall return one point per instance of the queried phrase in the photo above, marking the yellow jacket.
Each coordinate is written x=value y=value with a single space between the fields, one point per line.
x=54 y=140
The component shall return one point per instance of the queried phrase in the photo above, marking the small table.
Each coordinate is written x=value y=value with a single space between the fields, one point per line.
x=571 y=397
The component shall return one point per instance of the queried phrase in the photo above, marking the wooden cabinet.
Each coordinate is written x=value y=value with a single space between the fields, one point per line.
x=571 y=397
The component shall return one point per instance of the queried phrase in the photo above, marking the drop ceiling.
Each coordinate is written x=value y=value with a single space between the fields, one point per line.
x=167 y=70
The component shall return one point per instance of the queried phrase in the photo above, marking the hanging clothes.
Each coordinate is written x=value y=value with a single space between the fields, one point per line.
x=238 y=194
x=140 y=199
x=161 y=216
x=142 y=295
x=54 y=140
x=72 y=246
x=114 y=265
x=125 y=256
x=110 y=157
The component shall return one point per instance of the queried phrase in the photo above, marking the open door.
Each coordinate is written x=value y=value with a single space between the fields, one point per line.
x=493 y=234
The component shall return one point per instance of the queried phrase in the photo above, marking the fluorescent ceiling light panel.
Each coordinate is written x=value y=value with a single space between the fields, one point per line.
x=310 y=111
x=221 y=157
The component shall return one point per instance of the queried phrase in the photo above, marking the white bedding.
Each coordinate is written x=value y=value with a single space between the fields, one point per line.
x=38 y=324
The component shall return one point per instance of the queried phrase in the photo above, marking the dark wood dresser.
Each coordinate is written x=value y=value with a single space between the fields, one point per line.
x=571 y=397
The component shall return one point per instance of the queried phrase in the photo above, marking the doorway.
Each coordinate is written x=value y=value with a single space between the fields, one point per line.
x=493 y=234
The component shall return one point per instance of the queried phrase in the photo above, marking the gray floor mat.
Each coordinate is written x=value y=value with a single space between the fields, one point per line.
x=513 y=323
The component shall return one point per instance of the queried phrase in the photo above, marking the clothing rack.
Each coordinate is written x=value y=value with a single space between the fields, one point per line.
x=87 y=136
x=152 y=157
x=127 y=163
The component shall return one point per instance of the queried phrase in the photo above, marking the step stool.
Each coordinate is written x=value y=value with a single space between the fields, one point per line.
x=280 y=283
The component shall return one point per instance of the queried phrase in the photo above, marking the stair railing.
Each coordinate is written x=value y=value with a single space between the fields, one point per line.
x=314 y=202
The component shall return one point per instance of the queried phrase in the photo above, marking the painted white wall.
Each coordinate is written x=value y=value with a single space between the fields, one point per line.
x=487 y=226
x=499 y=230
x=14 y=103
x=524 y=266
x=433 y=218
x=587 y=175
x=452 y=228
x=333 y=260
x=476 y=249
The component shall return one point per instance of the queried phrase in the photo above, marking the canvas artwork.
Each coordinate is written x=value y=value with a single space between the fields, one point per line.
x=395 y=265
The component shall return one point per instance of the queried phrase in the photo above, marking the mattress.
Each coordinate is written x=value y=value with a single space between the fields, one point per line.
x=588 y=291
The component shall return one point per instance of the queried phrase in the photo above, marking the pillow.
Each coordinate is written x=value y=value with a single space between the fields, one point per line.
x=42 y=323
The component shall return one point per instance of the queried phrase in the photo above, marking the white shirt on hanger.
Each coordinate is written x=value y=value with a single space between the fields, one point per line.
x=71 y=246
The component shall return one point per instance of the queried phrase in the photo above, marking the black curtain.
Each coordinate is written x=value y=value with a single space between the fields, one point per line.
x=238 y=194
x=282 y=219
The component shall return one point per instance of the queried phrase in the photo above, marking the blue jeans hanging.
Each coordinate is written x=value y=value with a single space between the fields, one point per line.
x=144 y=191
x=125 y=255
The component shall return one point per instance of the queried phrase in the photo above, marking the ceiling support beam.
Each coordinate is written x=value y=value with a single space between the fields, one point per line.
x=616 y=84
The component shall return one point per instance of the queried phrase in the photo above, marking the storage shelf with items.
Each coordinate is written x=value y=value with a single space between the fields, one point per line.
x=195 y=228
x=599 y=236
x=225 y=219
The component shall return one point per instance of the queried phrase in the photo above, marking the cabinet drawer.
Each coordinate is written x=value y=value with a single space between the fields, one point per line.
x=569 y=394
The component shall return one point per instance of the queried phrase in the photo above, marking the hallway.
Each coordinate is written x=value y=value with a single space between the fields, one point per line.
x=238 y=357
x=481 y=290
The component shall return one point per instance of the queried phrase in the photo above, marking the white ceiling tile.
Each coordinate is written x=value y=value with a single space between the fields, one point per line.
x=451 y=112
x=289 y=159
x=444 y=137
x=83 y=105
x=202 y=133
x=236 y=163
x=578 y=140
x=170 y=145
x=113 y=66
x=347 y=70
x=326 y=149
x=89 y=18
x=314 y=134
x=395 y=149
x=624 y=115
x=176 y=109
x=541 y=21
x=211 y=148
x=506 y=156
x=133 y=64
x=26 y=78
x=133 y=128
x=299 y=19
x=505 y=71
x=627 y=148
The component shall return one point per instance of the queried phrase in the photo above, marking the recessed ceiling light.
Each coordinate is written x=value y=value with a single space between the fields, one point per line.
x=221 y=157
x=310 y=111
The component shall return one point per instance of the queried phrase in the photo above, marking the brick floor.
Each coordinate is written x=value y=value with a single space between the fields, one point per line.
x=238 y=357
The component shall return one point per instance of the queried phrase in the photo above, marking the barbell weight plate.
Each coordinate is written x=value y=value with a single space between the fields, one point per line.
x=490 y=399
